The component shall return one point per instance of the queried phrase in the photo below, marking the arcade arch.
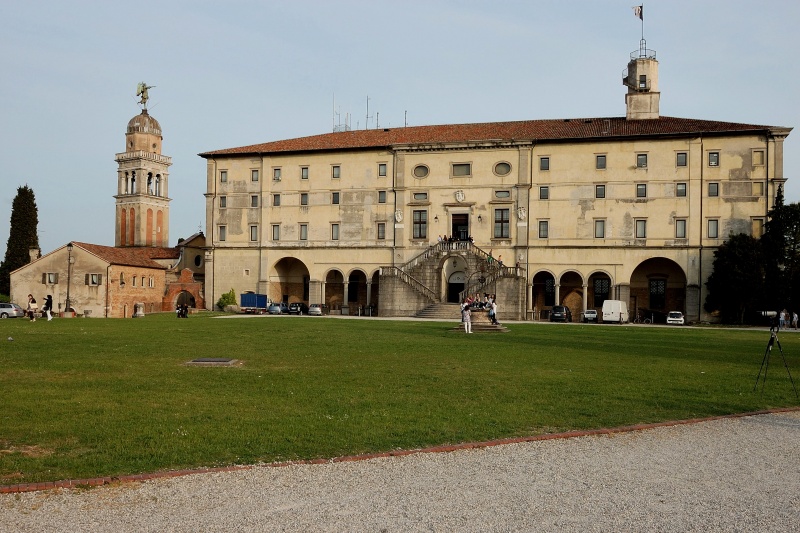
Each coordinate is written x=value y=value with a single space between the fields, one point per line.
x=658 y=285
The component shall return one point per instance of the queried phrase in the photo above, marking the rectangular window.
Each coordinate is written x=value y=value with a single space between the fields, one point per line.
x=134 y=280
x=303 y=232
x=713 y=189
x=641 y=190
x=501 y=223
x=420 y=224
x=713 y=229
x=757 y=227
x=335 y=198
x=758 y=188
x=642 y=81
x=544 y=163
x=223 y=202
x=253 y=233
x=303 y=198
x=95 y=279
x=680 y=228
x=600 y=162
x=641 y=160
x=713 y=159
x=254 y=175
x=276 y=232
x=681 y=159
x=382 y=170
x=223 y=232
x=599 y=191
x=50 y=278
x=336 y=172
x=334 y=232
x=151 y=282
x=462 y=170
x=549 y=291
x=223 y=176
x=658 y=293
x=381 y=197
x=680 y=189
x=381 y=231
x=303 y=173
x=254 y=200
x=276 y=174
x=641 y=229
x=544 y=192
x=602 y=288
x=599 y=229
x=758 y=158
x=276 y=200
x=543 y=227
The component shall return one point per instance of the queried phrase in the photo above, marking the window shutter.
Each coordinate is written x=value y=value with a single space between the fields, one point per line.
x=44 y=278
x=55 y=281
x=87 y=279
x=99 y=279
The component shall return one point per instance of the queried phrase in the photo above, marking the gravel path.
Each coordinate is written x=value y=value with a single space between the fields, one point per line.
x=738 y=474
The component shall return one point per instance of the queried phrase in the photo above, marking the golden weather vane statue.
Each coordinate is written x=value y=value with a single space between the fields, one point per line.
x=141 y=90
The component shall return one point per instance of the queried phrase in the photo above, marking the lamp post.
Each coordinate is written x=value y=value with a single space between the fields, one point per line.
x=69 y=275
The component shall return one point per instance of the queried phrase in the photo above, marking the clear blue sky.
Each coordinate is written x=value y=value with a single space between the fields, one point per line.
x=243 y=72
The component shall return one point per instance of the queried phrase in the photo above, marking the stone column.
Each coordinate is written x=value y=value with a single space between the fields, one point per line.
x=558 y=294
x=345 y=306
x=369 y=293
x=585 y=295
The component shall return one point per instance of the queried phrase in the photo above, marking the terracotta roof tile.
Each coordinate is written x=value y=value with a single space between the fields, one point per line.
x=534 y=130
x=141 y=257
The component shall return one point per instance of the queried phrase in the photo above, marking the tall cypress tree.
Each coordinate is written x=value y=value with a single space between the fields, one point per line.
x=23 y=235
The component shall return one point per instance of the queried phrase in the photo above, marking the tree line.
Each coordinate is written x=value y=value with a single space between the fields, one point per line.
x=758 y=274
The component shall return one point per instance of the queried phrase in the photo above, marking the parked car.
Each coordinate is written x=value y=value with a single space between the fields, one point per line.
x=590 y=315
x=11 y=311
x=298 y=308
x=675 y=317
x=278 y=308
x=315 y=310
x=560 y=313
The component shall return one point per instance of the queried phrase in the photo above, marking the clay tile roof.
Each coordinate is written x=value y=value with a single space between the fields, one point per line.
x=529 y=130
x=141 y=257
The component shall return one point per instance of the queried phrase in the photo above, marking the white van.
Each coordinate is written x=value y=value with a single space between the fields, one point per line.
x=615 y=311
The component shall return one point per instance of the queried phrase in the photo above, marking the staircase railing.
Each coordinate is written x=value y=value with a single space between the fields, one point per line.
x=477 y=286
x=410 y=280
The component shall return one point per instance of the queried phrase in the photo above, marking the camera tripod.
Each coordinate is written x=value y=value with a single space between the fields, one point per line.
x=773 y=339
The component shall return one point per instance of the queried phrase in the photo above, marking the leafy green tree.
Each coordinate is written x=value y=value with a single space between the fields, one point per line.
x=781 y=250
x=22 y=237
x=736 y=285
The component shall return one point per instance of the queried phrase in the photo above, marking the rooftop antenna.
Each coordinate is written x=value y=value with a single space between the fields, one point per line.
x=366 y=122
x=405 y=118
x=377 y=120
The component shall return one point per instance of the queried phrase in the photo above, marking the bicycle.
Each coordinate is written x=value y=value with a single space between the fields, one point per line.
x=640 y=320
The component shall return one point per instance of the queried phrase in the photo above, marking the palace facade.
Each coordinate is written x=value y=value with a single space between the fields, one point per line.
x=539 y=212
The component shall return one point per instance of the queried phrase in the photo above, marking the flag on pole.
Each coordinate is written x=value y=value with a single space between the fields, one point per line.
x=638 y=11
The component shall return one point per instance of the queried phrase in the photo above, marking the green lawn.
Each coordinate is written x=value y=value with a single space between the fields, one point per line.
x=90 y=397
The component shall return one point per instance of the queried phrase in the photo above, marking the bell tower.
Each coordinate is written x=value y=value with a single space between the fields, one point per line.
x=641 y=79
x=142 y=211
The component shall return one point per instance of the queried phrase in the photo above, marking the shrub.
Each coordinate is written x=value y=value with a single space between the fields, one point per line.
x=229 y=298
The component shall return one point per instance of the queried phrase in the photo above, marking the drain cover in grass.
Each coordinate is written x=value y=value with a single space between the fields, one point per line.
x=213 y=361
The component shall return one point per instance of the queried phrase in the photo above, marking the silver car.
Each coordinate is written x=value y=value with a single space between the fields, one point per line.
x=11 y=311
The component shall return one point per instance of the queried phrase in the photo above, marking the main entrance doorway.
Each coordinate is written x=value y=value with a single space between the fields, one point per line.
x=455 y=285
x=460 y=227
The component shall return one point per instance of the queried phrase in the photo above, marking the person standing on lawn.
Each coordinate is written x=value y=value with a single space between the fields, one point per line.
x=466 y=317
x=32 y=308
x=48 y=307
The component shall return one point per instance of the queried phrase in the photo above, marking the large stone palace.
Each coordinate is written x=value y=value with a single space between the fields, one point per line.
x=539 y=212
